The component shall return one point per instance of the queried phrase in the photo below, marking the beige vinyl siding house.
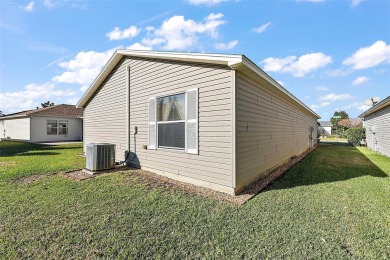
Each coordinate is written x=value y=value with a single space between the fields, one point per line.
x=56 y=123
x=376 y=121
x=207 y=119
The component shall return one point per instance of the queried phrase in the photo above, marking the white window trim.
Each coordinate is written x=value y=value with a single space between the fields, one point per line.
x=58 y=126
x=185 y=121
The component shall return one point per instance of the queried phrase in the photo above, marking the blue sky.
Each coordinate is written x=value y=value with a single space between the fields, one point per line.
x=333 y=55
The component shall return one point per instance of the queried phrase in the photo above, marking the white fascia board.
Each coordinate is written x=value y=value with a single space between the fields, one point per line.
x=186 y=56
x=248 y=63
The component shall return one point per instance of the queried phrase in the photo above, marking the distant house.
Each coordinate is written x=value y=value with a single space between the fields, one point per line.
x=376 y=121
x=324 y=128
x=213 y=120
x=54 y=123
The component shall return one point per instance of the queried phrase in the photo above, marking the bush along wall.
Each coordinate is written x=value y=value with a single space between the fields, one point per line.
x=355 y=135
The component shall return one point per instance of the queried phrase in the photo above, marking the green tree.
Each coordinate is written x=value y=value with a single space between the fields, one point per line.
x=334 y=121
x=47 y=104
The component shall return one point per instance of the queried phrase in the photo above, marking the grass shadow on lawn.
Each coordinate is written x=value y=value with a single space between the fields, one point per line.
x=332 y=162
x=8 y=148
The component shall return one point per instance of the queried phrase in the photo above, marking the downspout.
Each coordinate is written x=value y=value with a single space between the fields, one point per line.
x=127 y=110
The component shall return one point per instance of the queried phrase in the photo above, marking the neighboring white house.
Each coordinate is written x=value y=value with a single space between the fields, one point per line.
x=55 y=123
x=376 y=121
x=324 y=128
x=214 y=120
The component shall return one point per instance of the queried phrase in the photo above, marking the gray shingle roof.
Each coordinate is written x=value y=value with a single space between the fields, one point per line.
x=325 y=123
x=63 y=110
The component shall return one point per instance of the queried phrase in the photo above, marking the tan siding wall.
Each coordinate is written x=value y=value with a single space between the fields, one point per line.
x=105 y=114
x=269 y=130
x=18 y=129
x=104 y=117
x=379 y=142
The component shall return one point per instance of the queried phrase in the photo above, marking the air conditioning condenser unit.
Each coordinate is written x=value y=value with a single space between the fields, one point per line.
x=100 y=156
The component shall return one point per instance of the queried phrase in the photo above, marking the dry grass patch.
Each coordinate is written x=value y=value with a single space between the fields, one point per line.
x=9 y=163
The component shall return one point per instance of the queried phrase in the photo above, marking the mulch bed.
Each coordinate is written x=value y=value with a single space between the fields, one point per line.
x=81 y=175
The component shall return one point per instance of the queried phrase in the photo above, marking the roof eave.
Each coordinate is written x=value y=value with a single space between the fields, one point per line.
x=248 y=63
x=223 y=59
x=231 y=60
x=379 y=106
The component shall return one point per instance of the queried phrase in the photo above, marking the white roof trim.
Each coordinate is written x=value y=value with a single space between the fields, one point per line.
x=232 y=60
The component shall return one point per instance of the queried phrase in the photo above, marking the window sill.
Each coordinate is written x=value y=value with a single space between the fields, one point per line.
x=171 y=149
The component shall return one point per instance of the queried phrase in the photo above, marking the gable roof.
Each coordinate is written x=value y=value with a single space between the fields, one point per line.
x=325 y=123
x=384 y=103
x=235 y=61
x=62 y=110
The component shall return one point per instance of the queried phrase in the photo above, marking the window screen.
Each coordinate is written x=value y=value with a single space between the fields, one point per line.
x=171 y=135
x=62 y=127
x=171 y=121
x=51 y=127
x=171 y=108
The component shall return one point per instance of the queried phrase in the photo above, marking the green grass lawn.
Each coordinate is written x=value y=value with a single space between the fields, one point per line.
x=333 y=204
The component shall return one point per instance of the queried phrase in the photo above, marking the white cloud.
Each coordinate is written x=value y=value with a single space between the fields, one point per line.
x=205 y=2
x=367 y=57
x=139 y=46
x=226 y=46
x=177 y=33
x=72 y=101
x=84 y=88
x=117 y=34
x=322 y=104
x=33 y=95
x=335 y=97
x=298 y=67
x=363 y=107
x=29 y=7
x=280 y=82
x=48 y=4
x=261 y=28
x=84 y=67
x=360 y=80
x=322 y=88
x=214 y=16
x=355 y=3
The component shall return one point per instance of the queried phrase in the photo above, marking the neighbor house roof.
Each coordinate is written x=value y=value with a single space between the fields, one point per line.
x=235 y=61
x=325 y=123
x=384 y=103
x=63 y=110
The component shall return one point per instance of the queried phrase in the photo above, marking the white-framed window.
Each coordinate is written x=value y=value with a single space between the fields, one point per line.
x=62 y=127
x=173 y=122
x=52 y=127
x=57 y=127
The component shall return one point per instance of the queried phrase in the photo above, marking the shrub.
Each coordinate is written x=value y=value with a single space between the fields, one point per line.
x=355 y=135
